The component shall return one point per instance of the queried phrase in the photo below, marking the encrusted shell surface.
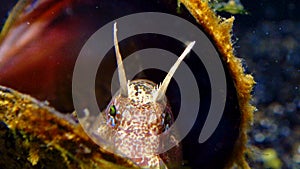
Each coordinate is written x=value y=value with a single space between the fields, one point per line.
x=41 y=64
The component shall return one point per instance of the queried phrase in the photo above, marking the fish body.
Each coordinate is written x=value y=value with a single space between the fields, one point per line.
x=136 y=124
x=138 y=116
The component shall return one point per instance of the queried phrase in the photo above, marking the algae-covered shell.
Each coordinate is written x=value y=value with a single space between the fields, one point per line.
x=41 y=43
x=34 y=135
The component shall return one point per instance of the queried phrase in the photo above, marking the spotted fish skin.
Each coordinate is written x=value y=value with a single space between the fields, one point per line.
x=138 y=117
x=137 y=123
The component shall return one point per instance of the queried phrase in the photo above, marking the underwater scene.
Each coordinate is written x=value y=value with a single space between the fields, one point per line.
x=152 y=84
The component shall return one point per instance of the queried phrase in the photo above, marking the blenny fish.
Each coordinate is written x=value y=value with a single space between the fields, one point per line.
x=138 y=114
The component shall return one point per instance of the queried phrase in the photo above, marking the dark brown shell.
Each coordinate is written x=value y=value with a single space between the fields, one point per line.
x=42 y=66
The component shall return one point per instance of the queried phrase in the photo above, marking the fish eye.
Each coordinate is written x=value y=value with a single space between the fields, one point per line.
x=168 y=118
x=112 y=110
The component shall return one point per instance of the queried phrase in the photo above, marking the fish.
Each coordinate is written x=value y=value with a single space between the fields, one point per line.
x=137 y=115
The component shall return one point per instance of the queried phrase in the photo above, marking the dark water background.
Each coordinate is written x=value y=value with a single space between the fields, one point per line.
x=268 y=42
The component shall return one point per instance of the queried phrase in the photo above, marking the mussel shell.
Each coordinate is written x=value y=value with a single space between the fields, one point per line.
x=43 y=67
x=34 y=135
